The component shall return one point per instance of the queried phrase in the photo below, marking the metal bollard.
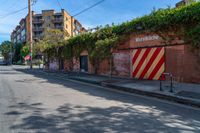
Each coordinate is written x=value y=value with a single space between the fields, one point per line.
x=171 y=85
x=161 y=83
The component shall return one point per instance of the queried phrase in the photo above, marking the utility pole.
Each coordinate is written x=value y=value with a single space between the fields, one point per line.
x=31 y=33
x=11 y=58
x=72 y=27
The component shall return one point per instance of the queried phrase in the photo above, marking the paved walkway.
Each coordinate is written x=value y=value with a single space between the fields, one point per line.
x=180 y=90
x=147 y=85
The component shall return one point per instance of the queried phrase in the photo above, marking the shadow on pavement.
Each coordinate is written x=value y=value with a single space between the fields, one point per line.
x=83 y=119
x=137 y=115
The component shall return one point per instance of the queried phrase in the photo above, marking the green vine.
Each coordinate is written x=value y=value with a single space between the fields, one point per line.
x=183 y=22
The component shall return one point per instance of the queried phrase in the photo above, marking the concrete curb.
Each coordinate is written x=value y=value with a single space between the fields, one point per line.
x=87 y=81
x=177 y=99
x=172 y=98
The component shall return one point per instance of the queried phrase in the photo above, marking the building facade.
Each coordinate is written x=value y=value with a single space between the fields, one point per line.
x=145 y=56
x=48 y=19
x=184 y=2
x=19 y=34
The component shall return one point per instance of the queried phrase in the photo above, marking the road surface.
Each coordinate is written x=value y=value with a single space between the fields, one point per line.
x=35 y=103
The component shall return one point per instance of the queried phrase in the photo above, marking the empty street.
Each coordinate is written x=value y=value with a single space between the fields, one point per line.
x=45 y=103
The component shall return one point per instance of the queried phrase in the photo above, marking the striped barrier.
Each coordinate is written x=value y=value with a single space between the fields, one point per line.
x=148 y=63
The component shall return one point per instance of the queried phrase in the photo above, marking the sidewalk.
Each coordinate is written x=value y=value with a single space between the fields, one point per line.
x=188 y=94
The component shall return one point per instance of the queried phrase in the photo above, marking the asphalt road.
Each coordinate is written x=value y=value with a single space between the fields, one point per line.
x=32 y=103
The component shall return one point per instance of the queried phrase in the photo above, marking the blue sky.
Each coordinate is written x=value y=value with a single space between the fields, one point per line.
x=110 y=11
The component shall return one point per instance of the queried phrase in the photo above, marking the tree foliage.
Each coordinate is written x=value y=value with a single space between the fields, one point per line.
x=6 y=48
x=17 y=53
x=183 y=22
x=25 y=51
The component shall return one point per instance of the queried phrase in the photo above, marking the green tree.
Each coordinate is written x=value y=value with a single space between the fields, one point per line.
x=52 y=44
x=24 y=51
x=17 y=53
x=6 y=48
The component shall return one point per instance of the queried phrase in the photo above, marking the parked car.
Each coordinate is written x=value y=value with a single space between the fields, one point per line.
x=3 y=63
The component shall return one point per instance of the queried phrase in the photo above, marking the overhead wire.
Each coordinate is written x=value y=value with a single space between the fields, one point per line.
x=59 y=4
x=88 y=8
x=17 y=11
x=75 y=10
x=14 y=12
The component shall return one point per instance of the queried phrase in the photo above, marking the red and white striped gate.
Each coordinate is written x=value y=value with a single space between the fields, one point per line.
x=148 y=63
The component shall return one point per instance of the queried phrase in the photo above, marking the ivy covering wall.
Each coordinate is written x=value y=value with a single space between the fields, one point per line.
x=183 y=22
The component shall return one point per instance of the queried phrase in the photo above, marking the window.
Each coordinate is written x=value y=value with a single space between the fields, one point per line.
x=48 y=18
x=23 y=32
x=76 y=32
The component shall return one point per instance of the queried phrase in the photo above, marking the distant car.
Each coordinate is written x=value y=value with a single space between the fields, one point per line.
x=3 y=63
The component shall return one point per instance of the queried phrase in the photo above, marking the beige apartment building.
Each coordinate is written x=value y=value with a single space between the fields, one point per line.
x=48 y=19
x=184 y=2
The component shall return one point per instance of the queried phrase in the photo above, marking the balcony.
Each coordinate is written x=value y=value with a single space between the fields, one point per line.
x=36 y=21
x=57 y=20
x=38 y=36
x=38 y=29
x=59 y=27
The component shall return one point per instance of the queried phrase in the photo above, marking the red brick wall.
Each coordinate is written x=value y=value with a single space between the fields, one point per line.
x=121 y=64
x=183 y=63
x=174 y=61
x=191 y=65
x=76 y=64
x=68 y=65
x=73 y=65
x=104 y=67
x=180 y=61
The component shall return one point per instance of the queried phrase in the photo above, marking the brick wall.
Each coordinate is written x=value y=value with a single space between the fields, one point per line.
x=183 y=63
x=68 y=65
x=121 y=64
x=191 y=65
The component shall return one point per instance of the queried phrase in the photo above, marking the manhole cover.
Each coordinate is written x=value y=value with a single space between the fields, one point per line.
x=189 y=94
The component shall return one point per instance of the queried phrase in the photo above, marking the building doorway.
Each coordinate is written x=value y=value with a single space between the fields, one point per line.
x=61 y=64
x=84 y=63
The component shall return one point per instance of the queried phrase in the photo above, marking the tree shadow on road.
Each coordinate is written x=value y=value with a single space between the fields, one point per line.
x=85 y=119
x=137 y=115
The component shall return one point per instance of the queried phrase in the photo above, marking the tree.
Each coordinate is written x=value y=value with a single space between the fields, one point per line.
x=24 y=51
x=17 y=53
x=51 y=44
x=6 y=48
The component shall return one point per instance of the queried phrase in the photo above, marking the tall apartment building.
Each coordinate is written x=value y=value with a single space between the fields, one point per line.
x=48 y=19
x=184 y=2
x=19 y=34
